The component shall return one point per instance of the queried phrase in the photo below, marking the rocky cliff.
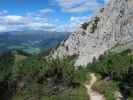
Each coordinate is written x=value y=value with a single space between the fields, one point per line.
x=110 y=26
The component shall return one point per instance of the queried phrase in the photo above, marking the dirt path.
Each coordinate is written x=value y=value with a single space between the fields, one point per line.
x=93 y=94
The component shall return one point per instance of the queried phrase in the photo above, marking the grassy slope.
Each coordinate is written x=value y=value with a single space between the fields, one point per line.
x=19 y=57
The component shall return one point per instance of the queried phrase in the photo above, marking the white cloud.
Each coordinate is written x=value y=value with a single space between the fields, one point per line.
x=39 y=26
x=73 y=23
x=46 y=10
x=12 y=19
x=106 y=1
x=33 y=20
x=3 y=12
x=3 y=28
x=41 y=12
x=79 y=19
x=14 y=22
x=76 y=6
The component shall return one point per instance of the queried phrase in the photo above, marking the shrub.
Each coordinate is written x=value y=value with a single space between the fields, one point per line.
x=80 y=75
x=84 y=25
x=6 y=84
x=107 y=88
x=30 y=68
x=115 y=66
x=6 y=65
x=94 y=25
x=78 y=93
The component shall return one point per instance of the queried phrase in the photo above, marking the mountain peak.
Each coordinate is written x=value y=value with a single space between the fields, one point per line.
x=111 y=25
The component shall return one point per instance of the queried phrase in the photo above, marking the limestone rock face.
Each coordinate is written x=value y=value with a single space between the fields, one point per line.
x=111 y=25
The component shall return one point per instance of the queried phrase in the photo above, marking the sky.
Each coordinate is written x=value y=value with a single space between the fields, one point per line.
x=47 y=15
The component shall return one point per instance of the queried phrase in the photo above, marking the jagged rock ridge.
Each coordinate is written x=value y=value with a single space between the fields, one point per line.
x=111 y=25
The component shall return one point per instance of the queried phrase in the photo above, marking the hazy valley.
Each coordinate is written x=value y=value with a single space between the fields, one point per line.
x=30 y=41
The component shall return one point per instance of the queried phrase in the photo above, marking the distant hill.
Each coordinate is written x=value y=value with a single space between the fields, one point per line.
x=30 y=41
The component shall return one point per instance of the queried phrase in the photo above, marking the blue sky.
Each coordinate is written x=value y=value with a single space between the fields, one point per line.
x=48 y=15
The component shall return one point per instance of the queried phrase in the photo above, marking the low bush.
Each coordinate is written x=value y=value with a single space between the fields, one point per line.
x=115 y=66
x=107 y=88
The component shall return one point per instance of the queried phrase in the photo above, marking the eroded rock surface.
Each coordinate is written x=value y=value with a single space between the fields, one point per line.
x=111 y=25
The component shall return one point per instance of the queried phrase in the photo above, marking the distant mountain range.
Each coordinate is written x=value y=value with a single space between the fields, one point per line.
x=30 y=41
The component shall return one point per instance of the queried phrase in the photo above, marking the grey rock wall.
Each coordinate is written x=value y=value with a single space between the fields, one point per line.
x=111 y=25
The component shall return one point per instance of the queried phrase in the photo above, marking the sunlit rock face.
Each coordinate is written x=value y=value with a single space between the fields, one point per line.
x=111 y=25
